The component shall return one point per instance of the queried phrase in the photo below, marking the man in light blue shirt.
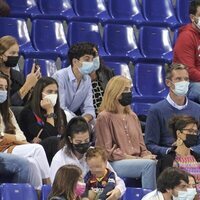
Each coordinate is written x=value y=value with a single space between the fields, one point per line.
x=75 y=87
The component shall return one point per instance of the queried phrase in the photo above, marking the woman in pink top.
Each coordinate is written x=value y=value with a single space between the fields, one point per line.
x=118 y=130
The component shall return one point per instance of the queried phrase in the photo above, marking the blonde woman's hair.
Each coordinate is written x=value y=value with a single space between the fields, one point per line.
x=6 y=42
x=113 y=91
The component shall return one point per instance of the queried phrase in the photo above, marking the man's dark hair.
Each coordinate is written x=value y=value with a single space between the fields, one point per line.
x=170 y=178
x=193 y=7
x=80 y=49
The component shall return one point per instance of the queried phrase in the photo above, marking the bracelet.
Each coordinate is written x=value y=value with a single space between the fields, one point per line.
x=51 y=115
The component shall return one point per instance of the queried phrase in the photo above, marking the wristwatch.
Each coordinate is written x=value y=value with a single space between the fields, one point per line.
x=2 y=134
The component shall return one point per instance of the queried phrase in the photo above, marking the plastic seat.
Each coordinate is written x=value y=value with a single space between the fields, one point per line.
x=135 y=193
x=91 y=11
x=23 y=8
x=119 y=68
x=46 y=189
x=47 y=67
x=85 y=32
x=48 y=38
x=128 y=12
x=141 y=109
x=155 y=44
x=149 y=83
x=159 y=13
x=120 y=43
x=59 y=9
x=18 y=29
x=19 y=191
x=175 y=36
x=182 y=11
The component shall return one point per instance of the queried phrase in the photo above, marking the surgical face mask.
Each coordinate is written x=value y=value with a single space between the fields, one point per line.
x=96 y=63
x=191 y=140
x=126 y=98
x=191 y=192
x=11 y=61
x=81 y=148
x=80 y=188
x=3 y=95
x=181 y=88
x=182 y=195
x=86 y=68
x=52 y=98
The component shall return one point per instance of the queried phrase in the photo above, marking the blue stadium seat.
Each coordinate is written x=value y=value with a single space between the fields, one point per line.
x=175 y=36
x=46 y=189
x=23 y=8
x=48 y=38
x=18 y=29
x=59 y=9
x=119 y=68
x=135 y=193
x=120 y=43
x=155 y=44
x=149 y=83
x=141 y=108
x=160 y=13
x=91 y=11
x=85 y=32
x=182 y=11
x=128 y=12
x=47 y=67
x=19 y=191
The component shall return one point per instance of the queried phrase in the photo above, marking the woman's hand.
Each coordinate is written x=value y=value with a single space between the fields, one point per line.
x=47 y=105
x=150 y=156
x=114 y=194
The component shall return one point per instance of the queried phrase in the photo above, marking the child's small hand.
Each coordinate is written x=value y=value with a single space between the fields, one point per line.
x=114 y=194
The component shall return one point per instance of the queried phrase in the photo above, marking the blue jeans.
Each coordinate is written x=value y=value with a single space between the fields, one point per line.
x=135 y=168
x=13 y=169
x=194 y=91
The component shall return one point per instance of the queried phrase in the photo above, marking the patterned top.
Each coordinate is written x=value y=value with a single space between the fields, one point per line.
x=190 y=165
x=97 y=95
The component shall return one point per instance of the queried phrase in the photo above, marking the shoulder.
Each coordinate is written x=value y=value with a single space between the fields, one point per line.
x=61 y=73
x=154 y=195
x=193 y=104
x=159 y=106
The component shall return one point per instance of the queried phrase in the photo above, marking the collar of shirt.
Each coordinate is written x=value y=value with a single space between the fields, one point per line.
x=171 y=102
x=71 y=75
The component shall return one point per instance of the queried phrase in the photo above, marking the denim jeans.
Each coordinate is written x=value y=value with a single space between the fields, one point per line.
x=135 y=168
x=13 y=169
x=194 y=91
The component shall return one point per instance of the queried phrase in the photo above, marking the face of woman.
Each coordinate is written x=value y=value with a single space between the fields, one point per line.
x=3 y=90
x=125 y=98
x=191 y=183
x=12 y=51
x=50 y=89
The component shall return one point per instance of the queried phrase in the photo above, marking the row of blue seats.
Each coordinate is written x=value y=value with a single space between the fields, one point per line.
x=48 y=39
x=9 y=191
x=155 y=12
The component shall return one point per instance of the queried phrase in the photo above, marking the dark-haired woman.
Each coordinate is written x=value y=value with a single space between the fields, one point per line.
x=43 y=121
x=68 y=184
x=11 y=136
x=76 y=142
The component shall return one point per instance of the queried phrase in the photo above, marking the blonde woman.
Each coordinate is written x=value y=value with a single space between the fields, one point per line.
x=118 y=131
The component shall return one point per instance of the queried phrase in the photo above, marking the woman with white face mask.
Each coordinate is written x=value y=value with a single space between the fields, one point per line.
x=43 y=121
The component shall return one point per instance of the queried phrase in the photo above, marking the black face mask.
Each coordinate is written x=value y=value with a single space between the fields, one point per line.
x=191 y=140
x=126 y=98
x=81 y=148
x=11 y=61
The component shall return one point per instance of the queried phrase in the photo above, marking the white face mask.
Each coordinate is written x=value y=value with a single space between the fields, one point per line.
x=96 y=63
x=52 y=98
x=182 y=195
x=181 y=88
x=191 y=192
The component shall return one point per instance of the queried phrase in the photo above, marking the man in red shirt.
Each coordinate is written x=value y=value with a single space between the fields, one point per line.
x=187 y=50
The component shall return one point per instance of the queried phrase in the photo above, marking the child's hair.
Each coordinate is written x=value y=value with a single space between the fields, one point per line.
x=95 y=152
x=65 y=182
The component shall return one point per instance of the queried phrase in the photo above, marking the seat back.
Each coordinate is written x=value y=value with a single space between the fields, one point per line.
x=46 y=189
x=21 y=4
x=47 y=67
x=182 y=11
x=149 y=80
x=19 y=191
x=135 y=193
x=119 y=39
x=155 y=42
x=85 y=32
x=52 y=32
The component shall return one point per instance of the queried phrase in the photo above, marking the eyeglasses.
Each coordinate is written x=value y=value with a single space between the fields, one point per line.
x=191 y=131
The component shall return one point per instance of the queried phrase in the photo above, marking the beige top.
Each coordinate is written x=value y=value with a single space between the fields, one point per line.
x=19 y=134
x=120 y=134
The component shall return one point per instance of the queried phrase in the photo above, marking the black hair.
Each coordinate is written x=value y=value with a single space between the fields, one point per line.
x=80 y=49
x=193 y=7
x=170 y=178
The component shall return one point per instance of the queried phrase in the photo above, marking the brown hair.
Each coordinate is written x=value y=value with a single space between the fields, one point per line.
x=94 y=152
x=113 y=91
x=65 y=182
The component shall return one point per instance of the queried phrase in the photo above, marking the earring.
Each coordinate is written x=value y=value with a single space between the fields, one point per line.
x=179 y=142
